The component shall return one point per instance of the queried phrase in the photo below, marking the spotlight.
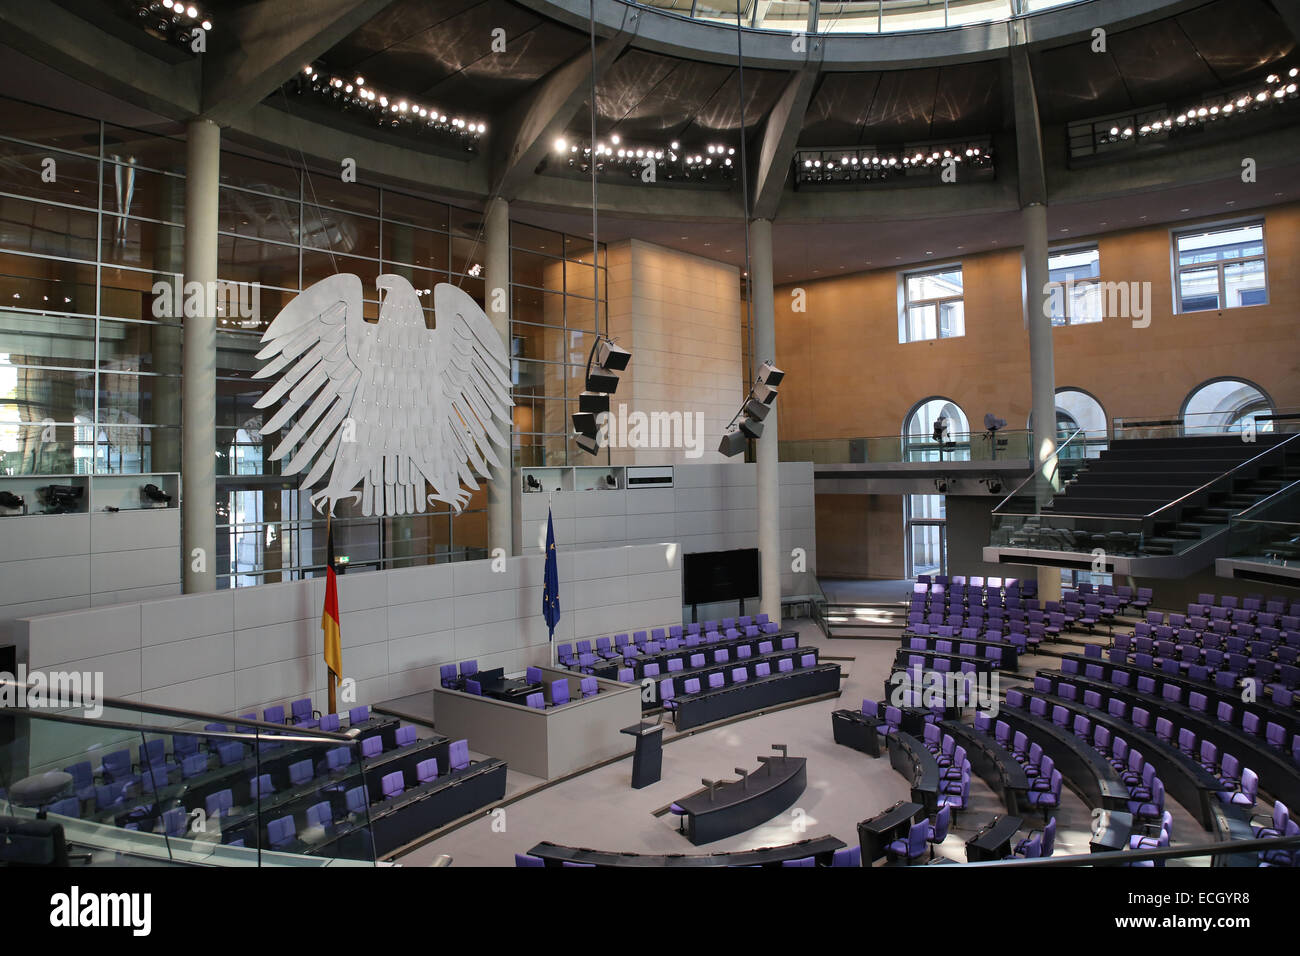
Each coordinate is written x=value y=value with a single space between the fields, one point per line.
x=600 y=380
x=993 y=423
x=769 y=377
x=608 y=481
x=155 y=494
x=604 y=362
x=733 y=443
x=994 y=485
x=10 y=500
x=611 y=356
x=584 y=423
x=531 y=483
x=756 y=410
x=751 y=427
x=941 y=485
x=593 y=402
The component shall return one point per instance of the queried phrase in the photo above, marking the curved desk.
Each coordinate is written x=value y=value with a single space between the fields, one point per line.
x=740 y=805
x=1087 y=772
x=1287 y=717
x=821 y=848
x=755 y=694
x=1185 y=780
x=1278 y=776
x=909 y=757
x=993 y=764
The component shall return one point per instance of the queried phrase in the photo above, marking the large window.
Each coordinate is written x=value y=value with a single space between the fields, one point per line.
x=932 y=305
x=925 y=518
x=1220 y=267
x=1226 y=405
x=936 y=430
x=1076 y=290
x=552 y=329
x=90 y=369
x=89 y=373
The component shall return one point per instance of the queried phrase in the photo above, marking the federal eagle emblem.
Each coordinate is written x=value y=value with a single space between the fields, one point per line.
x=388 y=405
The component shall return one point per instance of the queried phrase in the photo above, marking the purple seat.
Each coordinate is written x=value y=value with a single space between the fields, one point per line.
x=281 y=832
x=589 y=687
x=785 y=665
x=458 y=755
x=392 y=784
x=913 y=847
x=715 y=681
x=559 y=692
x=426 y=771
x=537 y=700
x=405 y=736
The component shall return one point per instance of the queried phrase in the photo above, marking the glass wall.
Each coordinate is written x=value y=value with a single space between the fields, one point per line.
x=553 y=326
x=92 y=305
x=91 y=218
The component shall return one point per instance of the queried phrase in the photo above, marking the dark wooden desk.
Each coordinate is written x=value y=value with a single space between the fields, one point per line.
x=755 y=694
x=1185 y=780
x=878 y=832
x=820 y=848
x=993 y=764
x=854 y=729
x=993 y=840
x=1112 y=832
x=1278 y=776
x=1087 y=772
x=740 y=805
x=909 y=757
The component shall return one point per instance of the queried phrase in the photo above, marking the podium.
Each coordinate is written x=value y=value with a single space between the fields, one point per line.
x=852 y=729
x=647 y=760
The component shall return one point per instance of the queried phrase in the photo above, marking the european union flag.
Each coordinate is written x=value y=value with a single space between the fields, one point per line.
x=551 y=591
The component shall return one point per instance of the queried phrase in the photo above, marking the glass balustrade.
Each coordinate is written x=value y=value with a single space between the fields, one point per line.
x=861 y=16
x=138 y=785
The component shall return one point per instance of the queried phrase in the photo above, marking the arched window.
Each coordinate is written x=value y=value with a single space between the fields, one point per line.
x=1076 y=409
x=1225 y=405
x=931 y=417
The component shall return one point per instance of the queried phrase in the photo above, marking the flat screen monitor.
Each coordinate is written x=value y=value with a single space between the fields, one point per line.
x=716 y=576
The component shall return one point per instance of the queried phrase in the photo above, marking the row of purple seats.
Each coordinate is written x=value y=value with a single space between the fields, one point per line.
x=1275 y=735
x=718 y=680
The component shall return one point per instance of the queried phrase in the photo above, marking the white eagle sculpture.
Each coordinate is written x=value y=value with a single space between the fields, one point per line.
x=389 y=405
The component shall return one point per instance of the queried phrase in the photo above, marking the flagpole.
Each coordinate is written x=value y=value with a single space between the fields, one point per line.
x=329 y=673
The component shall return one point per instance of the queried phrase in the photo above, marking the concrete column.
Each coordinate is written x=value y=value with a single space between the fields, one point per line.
x=771 y=559
x=1042 y=374
x=496 y=272
x=199 y=360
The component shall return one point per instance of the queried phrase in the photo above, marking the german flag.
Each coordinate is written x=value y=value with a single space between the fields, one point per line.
x=329 y=619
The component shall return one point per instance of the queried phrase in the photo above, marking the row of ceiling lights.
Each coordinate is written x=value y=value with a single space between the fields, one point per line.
x=172 y=20
x=390 y=110
x=869 y=163
x=1278 y=89
x=716 y=159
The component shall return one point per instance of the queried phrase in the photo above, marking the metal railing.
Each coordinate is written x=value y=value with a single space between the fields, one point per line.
x=155 y=814
x=1004 y=444
x=857 y=16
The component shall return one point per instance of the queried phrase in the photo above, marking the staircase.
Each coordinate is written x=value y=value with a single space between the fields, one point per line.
x=865 y=619
x=1157 y=497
